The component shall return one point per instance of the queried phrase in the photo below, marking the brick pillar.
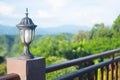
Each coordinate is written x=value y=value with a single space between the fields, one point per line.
x=30 y=69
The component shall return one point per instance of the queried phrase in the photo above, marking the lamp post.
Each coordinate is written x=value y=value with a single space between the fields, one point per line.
x=27 y=32
x=27 y=67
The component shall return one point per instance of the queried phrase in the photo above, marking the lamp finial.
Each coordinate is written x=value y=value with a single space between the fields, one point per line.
x=26 y=12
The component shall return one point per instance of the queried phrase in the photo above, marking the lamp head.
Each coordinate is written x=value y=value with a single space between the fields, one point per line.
x=27 y=32
x=26 y=28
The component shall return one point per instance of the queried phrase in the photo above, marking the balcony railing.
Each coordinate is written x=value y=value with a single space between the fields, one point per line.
x=108 y=69
x=11 y=76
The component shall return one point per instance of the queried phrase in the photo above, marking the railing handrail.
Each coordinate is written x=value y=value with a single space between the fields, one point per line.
x=87 y=69
x=73 y=62
x=11 y=76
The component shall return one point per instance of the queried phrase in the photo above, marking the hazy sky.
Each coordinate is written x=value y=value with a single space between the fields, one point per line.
x=51 y=13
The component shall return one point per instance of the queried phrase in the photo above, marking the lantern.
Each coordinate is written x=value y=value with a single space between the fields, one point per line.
x=27 y=32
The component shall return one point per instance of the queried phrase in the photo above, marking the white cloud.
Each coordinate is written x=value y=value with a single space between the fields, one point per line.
x=63 y=12
x=44 y=14
x=56 y=4
x=78 y=12
x=6 y=9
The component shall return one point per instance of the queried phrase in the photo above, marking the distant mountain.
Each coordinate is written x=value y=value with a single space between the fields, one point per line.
x=43 y=31
x=9 y=30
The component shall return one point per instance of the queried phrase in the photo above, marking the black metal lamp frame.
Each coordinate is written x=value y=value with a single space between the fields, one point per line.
x=26 y=26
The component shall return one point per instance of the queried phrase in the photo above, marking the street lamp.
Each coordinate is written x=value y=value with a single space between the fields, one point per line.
x=27 y=32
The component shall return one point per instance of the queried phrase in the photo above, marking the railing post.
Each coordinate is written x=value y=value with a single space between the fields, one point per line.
x=101 y=74
x=107 y=72
x=116 y=70
x=112 y=68
x=27 y=69
x=96 y=74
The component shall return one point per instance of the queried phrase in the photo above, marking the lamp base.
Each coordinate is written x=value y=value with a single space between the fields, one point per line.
x=26 y=56
x=26 y=53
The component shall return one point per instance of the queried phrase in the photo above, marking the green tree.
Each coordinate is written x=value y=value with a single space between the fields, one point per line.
x=55 y=60
x=116 y=27
x=81 y=35
x=100 y=31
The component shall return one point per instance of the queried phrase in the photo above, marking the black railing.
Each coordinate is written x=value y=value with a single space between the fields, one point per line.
x=108 y=69
x=94 y=68
x=11 y=76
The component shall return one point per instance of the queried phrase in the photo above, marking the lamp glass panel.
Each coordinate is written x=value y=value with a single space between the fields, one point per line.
x=28 y=36
x=22 y=35
x=33 y=34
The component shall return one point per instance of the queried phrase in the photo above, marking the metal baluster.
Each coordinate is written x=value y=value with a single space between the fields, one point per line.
x=95 y=74
x=80 y=77
x=116 y=70
x=107 y=72
x=101 y=74
x=88 y=76
x=112 y=69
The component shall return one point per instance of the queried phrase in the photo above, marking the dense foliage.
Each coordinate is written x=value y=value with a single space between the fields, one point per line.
x=54 y=60
x=62 y=47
